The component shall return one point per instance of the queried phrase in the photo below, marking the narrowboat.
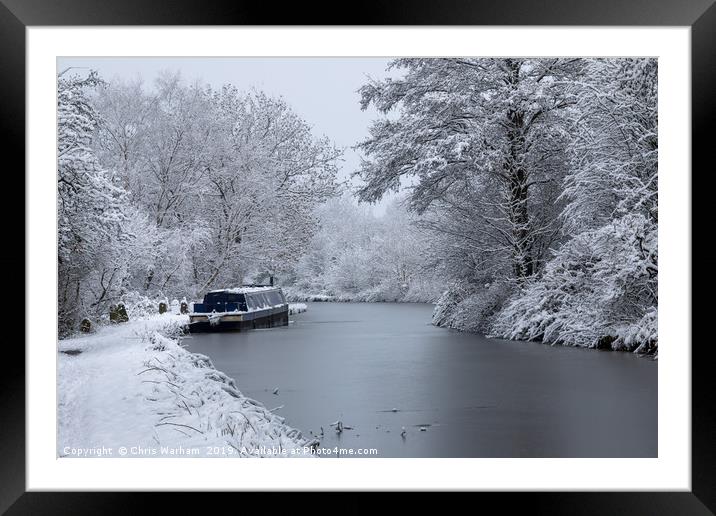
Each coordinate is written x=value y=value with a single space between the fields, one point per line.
x=237 y=309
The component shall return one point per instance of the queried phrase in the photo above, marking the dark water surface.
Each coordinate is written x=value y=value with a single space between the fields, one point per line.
x=456 y=394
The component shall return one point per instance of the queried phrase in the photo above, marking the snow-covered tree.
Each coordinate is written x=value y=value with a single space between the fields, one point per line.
x=600 y=289
x=263 y=185
x=91 y=211
x=483 y=142
x=229 y=180
x=613 y=170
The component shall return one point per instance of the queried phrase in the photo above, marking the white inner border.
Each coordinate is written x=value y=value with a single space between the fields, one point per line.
x=670 y=471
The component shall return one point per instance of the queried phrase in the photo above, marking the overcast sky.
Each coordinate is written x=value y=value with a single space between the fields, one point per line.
x=323 y=91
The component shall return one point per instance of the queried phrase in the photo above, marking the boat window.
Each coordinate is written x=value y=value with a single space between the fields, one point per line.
x=240 y=301
x=235 y=298
x=253 y=301
x=213 y=298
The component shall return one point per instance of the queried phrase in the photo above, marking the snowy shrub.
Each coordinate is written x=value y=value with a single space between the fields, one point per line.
x=386 y=291
x=471 y=311
x=296 y=308
x=197 y=405
x=447 y=304
x=475 y=312
x=642 y=335
x=296 y=294
x=139 y=305
x=600 y=290
x=424 y=290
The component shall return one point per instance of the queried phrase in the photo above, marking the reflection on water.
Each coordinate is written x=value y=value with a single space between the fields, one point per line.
x=381 y=367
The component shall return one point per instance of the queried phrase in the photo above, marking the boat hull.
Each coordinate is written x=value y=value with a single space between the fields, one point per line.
x=234 y=321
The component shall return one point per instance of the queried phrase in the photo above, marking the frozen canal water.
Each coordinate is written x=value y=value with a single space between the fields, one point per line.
x=456 y=394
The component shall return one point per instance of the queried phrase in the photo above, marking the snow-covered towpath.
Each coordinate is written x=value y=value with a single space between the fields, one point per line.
x=132 y=388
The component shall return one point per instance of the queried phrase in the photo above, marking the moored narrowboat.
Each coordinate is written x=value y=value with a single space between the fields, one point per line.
x=237 y=309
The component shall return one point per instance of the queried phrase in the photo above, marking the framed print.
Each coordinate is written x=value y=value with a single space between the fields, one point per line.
x=426 y=245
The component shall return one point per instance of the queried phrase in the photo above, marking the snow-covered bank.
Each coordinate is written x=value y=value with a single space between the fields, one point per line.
x=535 y=313
x=133 y=388
x=297 y=308
x=294 y=294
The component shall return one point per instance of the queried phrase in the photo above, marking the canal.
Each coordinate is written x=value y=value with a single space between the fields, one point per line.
x=380 y=368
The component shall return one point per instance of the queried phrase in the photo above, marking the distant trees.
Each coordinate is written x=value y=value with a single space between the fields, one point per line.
x=355 y=255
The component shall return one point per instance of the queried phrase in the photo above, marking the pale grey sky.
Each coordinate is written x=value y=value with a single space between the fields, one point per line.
x=323 y=91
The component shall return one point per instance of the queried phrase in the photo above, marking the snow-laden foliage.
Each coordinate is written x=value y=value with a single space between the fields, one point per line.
x=614 y=159
x=600 y=290
x=483 y=142
x=447 y=305
x=471 y=310
x=99 y=236
x=536 y=177
x=230 y=179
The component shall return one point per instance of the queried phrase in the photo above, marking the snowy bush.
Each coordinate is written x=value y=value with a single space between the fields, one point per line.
x=447 y=305
x=296 y=308
x=296 y=294
x=476 y=312
x=424 y=290
x=642 y=336
x=600 y=290
x=196 y=404
x=139 y=305
x=471 y=310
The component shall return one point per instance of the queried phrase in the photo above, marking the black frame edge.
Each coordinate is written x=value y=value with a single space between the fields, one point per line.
x=12 y=145
x=703 y=394
x=368 y=12
x=701 y=14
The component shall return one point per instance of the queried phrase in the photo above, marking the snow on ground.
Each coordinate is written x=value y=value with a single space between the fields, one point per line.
x=297 y=308
x=133 y=385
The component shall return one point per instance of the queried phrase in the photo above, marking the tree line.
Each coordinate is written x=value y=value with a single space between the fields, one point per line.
x=173 y=188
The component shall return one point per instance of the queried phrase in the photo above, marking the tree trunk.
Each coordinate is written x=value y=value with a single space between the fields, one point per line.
x=148 y=281
x=523 y=260
x=518 y=196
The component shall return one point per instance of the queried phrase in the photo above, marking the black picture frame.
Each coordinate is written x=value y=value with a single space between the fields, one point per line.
x=17 y=15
